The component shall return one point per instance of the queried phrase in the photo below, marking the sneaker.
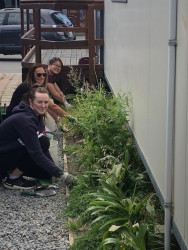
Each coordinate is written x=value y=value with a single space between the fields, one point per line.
x=19 y=183
x=29 y=178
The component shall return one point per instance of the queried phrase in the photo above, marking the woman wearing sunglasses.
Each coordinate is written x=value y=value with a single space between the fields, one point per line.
x=36 y=75
x=23 y=144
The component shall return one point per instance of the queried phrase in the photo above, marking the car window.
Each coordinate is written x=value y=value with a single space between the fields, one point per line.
x=2 y=15
x=65 y=18
x=60 y=18
x=31 y=19
x=14 y=18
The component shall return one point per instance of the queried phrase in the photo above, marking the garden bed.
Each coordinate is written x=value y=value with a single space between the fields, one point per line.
x=113 y=204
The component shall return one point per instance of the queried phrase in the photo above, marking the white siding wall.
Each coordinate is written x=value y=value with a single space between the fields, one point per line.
x=136 y=60
x=134 y=36
x=181 y=125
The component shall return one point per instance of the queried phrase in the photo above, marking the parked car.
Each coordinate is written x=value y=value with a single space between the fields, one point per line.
x=10 y=28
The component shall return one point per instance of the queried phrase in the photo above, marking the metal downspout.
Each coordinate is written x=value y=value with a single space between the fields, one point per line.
x=170 y=120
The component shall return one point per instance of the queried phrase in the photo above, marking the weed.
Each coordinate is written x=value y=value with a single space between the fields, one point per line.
x=78 y=201
x=75 y=224
x=90 y=240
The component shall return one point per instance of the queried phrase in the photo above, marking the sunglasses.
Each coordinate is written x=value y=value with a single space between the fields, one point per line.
x=41 y=74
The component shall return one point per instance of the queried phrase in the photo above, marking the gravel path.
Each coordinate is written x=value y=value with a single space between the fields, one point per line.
x=33 y=223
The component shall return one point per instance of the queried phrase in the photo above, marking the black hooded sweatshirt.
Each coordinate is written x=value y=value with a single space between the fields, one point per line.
x=17 y=96
x=21 y=129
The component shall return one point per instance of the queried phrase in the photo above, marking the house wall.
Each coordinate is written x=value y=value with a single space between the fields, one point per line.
x=181 y=124
x=134 y=35
x=136 y=61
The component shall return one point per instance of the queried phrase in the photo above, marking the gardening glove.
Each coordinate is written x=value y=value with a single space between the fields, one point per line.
x=67 y=105
x=67 y=179
x=72 y=119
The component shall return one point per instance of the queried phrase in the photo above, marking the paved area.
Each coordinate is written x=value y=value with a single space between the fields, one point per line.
x=8 y=83
x=10 y=64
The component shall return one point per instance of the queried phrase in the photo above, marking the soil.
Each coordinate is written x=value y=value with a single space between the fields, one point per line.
x=73 y=160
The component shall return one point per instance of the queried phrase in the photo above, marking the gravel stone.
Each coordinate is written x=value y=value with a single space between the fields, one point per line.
x=34 y=223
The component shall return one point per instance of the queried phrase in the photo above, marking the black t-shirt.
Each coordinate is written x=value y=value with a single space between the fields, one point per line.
x=51 y=78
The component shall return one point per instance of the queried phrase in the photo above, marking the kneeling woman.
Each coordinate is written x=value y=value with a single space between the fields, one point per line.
x=23 y=144
x=36 y=75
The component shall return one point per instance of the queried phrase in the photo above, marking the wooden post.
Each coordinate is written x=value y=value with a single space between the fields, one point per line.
x=86 y=25
x=91 y=36
x=37 y=25
x=102 y=35
x=22 y=32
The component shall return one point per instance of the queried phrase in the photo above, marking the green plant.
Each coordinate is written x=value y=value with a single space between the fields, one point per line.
x=132 y=216
x=91 y=239
x=112 y=205
x=103 y=120
x=74 y=77
x=130 y=238
x=74 y=225
x=78 y=201
x=114 y=190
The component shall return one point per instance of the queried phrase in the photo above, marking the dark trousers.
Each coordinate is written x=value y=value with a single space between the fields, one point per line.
x=20 y=159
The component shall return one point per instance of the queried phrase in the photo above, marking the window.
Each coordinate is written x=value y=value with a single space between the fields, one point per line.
x=60 y=18
x=120 y=1
x=14 y=18
x=2 y=15
x=31 y=19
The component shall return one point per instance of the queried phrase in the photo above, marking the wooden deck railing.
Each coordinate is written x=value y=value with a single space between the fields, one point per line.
x=32 y=44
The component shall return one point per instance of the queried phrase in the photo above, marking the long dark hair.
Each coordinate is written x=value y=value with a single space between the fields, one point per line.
x=30 y=96
x=30 y=75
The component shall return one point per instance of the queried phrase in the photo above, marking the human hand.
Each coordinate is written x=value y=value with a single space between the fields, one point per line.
x=72 y=119
x=58 y=120
x=67 y=179
x=63 y=96
x=67 y=105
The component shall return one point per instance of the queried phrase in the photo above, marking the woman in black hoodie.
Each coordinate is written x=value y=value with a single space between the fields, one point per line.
x=21 y=152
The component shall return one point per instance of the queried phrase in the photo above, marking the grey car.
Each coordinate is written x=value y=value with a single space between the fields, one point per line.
x=10 y=28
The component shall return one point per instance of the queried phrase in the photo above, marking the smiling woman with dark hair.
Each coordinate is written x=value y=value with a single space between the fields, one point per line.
x=55 y=66
x=32 y=78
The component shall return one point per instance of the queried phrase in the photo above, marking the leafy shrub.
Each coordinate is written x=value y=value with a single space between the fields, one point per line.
x=103 y=120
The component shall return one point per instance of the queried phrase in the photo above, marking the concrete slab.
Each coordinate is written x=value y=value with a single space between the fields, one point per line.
x=8 y=83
